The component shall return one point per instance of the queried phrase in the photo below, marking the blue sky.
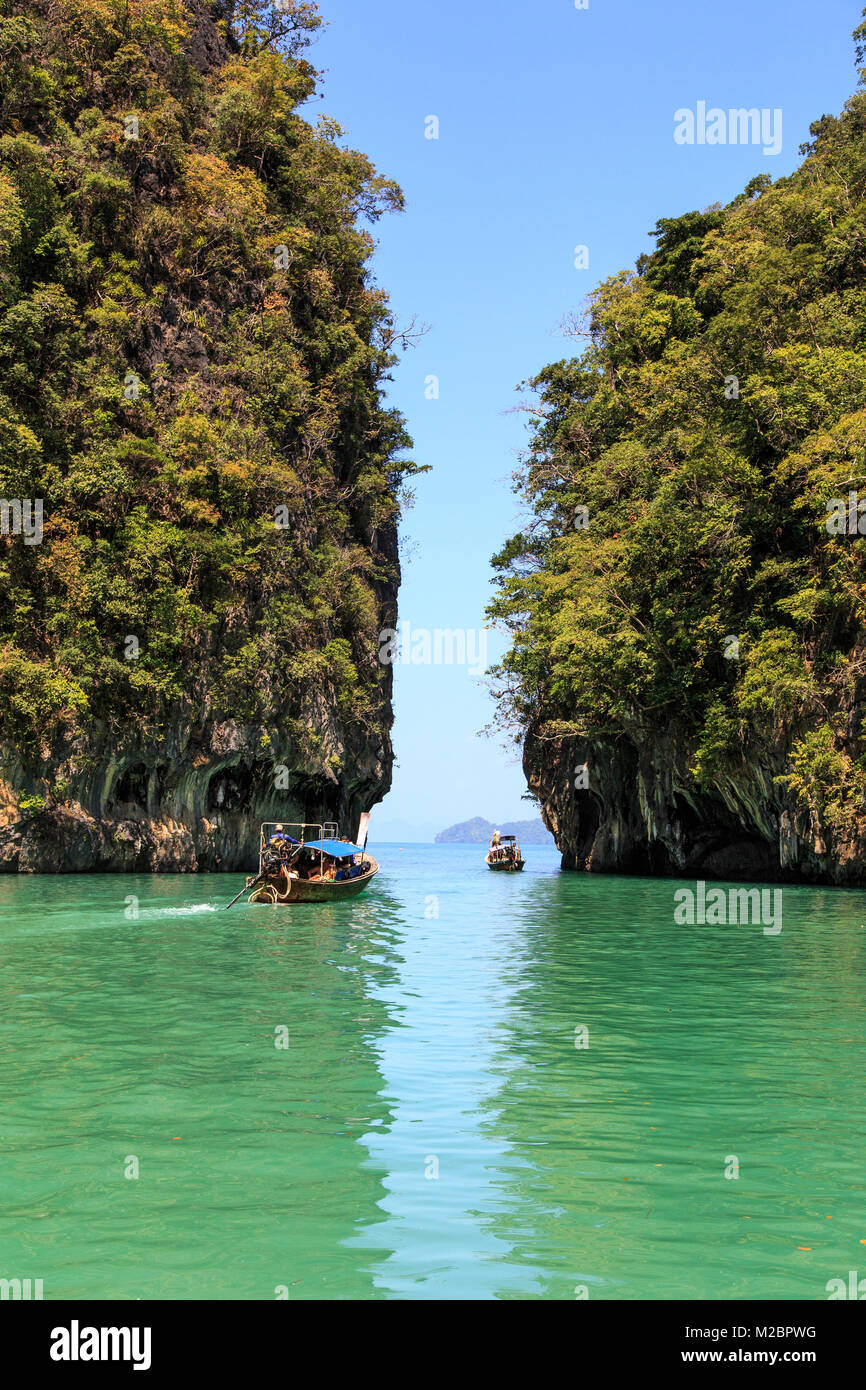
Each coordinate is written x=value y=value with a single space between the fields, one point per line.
x=555 y=131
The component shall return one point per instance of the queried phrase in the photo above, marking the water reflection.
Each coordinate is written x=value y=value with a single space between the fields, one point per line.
x=155 y=1037
x=431 y=1129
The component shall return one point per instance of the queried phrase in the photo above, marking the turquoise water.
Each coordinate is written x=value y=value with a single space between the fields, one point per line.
x=431 y=1129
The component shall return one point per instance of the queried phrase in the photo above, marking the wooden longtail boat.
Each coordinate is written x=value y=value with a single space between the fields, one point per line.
x=505 y=858
x=302 y=868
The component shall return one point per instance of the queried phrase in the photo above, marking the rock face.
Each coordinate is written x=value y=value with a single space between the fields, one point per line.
x=640 y=812
x=192 y=802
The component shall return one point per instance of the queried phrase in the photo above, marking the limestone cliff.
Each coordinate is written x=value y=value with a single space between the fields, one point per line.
x=193 y=354
x=193 y=801
x=687 y=601
x=637 y=809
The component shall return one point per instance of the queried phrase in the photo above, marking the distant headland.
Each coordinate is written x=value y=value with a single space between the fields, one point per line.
x=478 y=831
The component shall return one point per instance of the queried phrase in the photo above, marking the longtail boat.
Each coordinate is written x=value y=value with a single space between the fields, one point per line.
x=296 y=866
x=505 y=856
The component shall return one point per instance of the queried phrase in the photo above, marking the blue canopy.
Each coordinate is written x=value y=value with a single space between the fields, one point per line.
x=337 y=849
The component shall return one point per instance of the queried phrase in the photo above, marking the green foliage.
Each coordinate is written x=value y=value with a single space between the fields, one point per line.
x=190 y=338
x=719 y=405
x=827 y=783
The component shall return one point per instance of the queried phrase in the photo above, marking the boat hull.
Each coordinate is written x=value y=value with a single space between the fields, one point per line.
x=505 y=866
x=305 y=890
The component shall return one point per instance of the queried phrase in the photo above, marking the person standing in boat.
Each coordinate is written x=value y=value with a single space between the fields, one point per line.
x=494 y=844
x=280 y=842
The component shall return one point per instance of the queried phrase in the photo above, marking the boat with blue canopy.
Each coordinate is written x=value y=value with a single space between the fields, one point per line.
x=308 y=862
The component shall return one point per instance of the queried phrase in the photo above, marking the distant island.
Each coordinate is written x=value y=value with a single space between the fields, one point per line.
x=478 y=832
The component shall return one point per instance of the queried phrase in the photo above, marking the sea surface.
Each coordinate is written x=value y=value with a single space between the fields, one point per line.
x=458 y=1085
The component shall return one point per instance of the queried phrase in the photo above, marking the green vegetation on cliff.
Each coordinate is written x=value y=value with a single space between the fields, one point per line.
x=192 y=354
x=718 y=407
